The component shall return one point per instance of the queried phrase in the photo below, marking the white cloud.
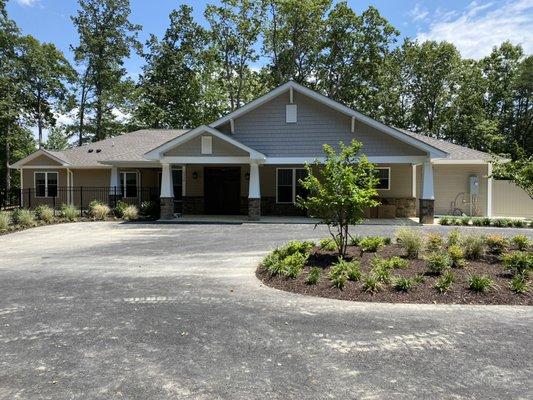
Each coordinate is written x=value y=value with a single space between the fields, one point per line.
x=482 y=26
x=418 y=13
x=28 y=3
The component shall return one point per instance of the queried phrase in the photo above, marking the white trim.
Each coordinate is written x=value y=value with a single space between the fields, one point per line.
x=157 y=153
x=232 y=125
x=428 y=192
x=254 y=183
x=388 y=179
x=45 y=184
x=122 y=176
x=21 y=187
x=206 y=145
x=413 y=181
x=463 y=162
x=291 y=95
x=293 y=184
x=167 y=187
x=374 y=160
x=352 y=127
x=206 y=160
x=489 y=190
x=433 y=151
x=36 y=154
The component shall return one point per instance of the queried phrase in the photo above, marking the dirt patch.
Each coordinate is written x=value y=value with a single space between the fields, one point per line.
x=423 y=292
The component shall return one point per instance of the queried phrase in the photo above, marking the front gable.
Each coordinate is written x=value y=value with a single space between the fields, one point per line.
x=193 y=148
x=40 y=158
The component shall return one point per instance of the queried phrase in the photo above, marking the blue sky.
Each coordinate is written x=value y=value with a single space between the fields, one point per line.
x=474 y=26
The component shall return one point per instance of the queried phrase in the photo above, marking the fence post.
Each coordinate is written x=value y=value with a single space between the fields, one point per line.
x=54 y=204
x=81 y=201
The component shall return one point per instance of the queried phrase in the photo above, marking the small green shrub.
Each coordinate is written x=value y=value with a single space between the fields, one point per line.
x=473 y=246
x=100 y=211
x=477 y=221
x=5 y=220
x=410 y=240
x=313 y=276
x=351 y=269
x=119 y=208
x=438 y=262
x=465 y=221
x=272 y=263
x=457 y=255
x=519 y=284
x=396 y=262
x=93 y=204
x=520 y=262
x=44 y=213
x=444 y=220
x=419 y=278
x=444 y=283
x=338 y=280
x=328 y=244
x=23 y=217
x=381 y=273
x=403 y=284
x=521 y=242
x=480 y=283
x=69 y=212
x=502 y=222
x=496 y=244
x=454 y=237
x=518 y=223
x=293 y=264
x=130 y=213
x=354 y=240
x=371 y=284
x=149 y=208
x=485 y=221
x=297 y=246
x=386 y=240
x=371 y=244
x=434 y=242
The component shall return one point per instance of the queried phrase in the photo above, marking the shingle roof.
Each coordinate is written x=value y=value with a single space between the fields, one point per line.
x=126 y=147
x=455 y=151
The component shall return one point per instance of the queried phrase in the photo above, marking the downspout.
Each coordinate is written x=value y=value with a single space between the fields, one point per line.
x=21 y=187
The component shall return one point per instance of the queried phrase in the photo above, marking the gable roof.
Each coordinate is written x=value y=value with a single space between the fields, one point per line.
x=291 y=85
x=156 y=153
x=56 y=156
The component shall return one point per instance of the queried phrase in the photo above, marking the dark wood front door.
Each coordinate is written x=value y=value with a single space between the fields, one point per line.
x=222 y=190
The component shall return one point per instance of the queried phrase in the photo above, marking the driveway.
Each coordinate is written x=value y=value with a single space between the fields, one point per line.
x=145 y=311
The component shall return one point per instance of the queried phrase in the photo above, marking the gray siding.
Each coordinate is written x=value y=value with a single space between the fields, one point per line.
x=193 y=147
x=264 y=129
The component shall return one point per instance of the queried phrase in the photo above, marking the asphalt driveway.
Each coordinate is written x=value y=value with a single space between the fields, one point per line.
x=144 y=311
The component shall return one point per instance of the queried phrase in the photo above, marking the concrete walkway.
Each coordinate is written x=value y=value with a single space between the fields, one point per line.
x=154 y=311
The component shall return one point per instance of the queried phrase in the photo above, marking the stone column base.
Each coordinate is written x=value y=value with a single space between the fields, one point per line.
x=427 y=211
x=254 y=209
x=167 y=207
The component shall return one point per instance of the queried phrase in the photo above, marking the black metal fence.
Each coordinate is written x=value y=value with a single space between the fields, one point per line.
x=80 y=196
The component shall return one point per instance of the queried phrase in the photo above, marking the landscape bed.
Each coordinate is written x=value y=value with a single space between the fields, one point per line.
x=369 y=275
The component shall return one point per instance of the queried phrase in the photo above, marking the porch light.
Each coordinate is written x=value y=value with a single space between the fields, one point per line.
x=195 y=175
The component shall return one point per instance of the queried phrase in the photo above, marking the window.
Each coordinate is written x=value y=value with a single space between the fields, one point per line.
x=288 y=186
x=383 y=174
x=128 y=184
x=207 y=145
x=46 y=184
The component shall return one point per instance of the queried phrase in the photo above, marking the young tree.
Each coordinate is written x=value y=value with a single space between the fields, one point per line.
x=339 y=190
x=519 y=171
x=106 y=38
x=57 y=139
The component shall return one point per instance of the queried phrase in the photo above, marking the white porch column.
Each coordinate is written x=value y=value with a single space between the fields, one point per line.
x=114 y=181
x=254 y=192
x=489 y=189
x=427 y=202
x=167 y=192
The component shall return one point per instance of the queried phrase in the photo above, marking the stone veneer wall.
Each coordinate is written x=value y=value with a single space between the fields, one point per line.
x=270 y=207
x=405 y=206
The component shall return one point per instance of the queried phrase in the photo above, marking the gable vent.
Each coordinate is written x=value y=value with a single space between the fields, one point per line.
x=90 y=151
x=98 y=150
x=291 y=112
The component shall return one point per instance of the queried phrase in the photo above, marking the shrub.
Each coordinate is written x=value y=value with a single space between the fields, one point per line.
x=473 y=246
x=454 y=237
x=338 y=280
x=521 y=242
x=293 y=264
x=381 y=273
x=520 y=262
x=485 y=221
x=519 y=284
x=434 y=242
x=328 y=244
x=478 y=221
x=396 y=262
x=313 y=276
x=371 y=284
x=480 y=283
x=457 y=255
x=438 y=262
x=296 y=246
x=518 y=223
x=502 y=222
x=403 y=284
x=119 y=208
x=496 y=244
x=100 y=211
x=371 y=244
x=444 y=220
x=387 y=241
x=444 y=283
x=69 y=212
x=464 y=221
x=410 y=240
x=355 y=240
x=272 y=263
x=44 y=213
x=5 y=220
x=149 y=208
x=419 y=278
x=352 y=270
x=130 y=213
x=23 y=217
x=94 y=203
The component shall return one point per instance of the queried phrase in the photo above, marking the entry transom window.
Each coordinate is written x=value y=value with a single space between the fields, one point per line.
x=128 y=184
x=288 y=187
x=383 y=174
x=46 y=184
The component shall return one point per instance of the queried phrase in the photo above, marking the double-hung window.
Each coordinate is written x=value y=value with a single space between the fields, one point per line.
x=128 y=184
x=46 y=184
x=383 y=174
x=288 y=187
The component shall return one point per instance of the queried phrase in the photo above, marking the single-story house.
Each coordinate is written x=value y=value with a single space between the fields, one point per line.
x=250 y=161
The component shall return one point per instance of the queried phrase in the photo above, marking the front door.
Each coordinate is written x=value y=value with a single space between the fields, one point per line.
x=222 y=190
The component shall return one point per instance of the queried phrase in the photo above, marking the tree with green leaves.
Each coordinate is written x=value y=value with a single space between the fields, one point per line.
x=57 y=138
x=519 y=171
x=106 y=39
x=339 y=190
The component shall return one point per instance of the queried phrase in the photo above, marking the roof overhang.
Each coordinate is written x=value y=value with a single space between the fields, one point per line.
x=157 y=153
x=432 y=151
x=34 y=155
x=131 y=164
x=445 y=161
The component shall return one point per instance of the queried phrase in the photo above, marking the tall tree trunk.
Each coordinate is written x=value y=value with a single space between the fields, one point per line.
x=39 y=119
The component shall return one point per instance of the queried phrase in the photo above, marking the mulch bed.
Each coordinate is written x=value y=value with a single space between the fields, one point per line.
x=421 y=293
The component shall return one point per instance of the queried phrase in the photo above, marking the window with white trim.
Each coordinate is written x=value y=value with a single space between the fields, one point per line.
x=46 y=184
x=128 y=184
x=288 y=186
x=383 y=174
